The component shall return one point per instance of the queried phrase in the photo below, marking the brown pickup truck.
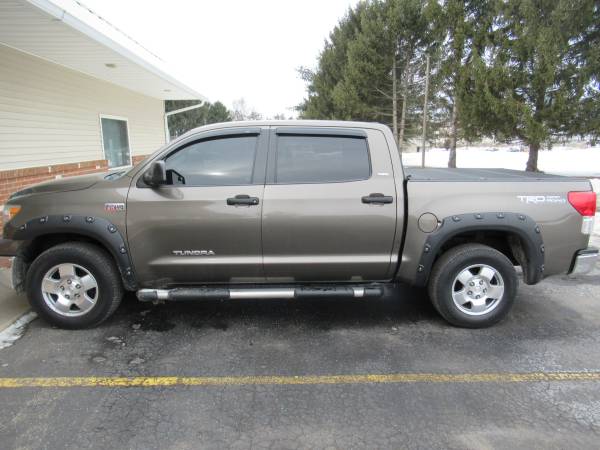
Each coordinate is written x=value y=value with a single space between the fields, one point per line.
x=297 y=209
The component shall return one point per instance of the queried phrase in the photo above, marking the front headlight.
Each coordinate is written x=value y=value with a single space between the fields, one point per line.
x=9 y=212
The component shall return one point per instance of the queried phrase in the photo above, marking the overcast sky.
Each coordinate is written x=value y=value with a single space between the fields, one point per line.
x=228 y=49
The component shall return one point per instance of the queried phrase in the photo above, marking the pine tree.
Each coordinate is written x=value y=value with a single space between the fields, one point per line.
x=511 y=69
x=383 y=61
x=185 y=121
x=373 y=68
x=460 y=26
x=535 y=79
x=586 y=50
x=330 y=69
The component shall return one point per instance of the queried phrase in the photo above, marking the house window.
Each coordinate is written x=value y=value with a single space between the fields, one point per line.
x=115 y=141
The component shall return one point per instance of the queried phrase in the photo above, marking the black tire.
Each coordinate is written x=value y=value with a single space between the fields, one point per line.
x=451 y=264
x=97 y=262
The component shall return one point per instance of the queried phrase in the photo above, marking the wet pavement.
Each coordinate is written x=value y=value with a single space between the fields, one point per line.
x=554 y=327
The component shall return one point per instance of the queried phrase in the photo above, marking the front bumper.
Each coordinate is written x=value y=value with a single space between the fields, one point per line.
x=584 y=261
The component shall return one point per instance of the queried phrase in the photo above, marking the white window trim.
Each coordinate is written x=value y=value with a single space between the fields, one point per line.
x=124 y=119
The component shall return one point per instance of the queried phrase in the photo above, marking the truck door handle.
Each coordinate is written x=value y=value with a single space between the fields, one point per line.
x=242 y=199
x=377 y=198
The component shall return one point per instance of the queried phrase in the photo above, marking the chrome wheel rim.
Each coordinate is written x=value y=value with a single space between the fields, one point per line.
x=477 y=289
x=69 y=290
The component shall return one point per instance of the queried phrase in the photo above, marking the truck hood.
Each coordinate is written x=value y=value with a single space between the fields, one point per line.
x=62 y=185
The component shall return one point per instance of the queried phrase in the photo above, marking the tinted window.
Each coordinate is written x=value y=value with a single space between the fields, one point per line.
x=217 y=162
x=321 y=159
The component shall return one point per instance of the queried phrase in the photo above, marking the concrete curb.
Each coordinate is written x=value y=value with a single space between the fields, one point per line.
x=12 y=305
x=11 y=310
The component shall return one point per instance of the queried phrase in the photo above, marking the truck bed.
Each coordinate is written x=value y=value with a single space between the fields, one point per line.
x=445 y=174
x=444 y=192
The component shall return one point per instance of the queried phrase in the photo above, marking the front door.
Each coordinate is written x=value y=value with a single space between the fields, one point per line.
x=204 y=226
x=316 y=224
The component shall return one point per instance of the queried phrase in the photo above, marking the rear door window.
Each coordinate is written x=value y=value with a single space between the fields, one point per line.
x=321 y=159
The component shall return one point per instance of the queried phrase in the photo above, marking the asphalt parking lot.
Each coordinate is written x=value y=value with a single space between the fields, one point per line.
x=261 y=376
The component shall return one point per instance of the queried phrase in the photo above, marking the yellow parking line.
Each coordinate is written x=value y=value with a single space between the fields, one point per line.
x=67 y=382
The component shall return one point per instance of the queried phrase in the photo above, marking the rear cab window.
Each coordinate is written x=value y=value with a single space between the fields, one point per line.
x=321 y=159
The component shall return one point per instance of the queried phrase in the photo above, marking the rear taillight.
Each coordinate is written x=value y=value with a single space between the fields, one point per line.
x=583 y=202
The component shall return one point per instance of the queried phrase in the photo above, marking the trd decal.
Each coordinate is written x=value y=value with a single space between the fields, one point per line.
x=114 y=207
x=539 y=199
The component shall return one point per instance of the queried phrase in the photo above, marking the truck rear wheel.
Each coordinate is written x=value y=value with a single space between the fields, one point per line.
x=74 y=285
x=473 y=286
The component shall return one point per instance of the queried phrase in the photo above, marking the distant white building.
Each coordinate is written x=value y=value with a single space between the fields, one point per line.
x=76 y=94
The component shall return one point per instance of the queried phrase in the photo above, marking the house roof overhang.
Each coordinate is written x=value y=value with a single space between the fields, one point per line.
x=83 y=41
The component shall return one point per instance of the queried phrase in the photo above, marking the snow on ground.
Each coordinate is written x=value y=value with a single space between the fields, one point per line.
x=9 y=335
x=562 y=160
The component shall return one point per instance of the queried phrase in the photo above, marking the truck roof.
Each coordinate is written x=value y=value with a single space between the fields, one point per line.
x=302 y=123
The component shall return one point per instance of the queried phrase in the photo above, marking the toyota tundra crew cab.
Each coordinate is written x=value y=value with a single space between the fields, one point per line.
x=293 y=209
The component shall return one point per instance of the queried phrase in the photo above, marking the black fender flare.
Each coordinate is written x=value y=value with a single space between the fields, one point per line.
x=521 y=225
x=96 y=228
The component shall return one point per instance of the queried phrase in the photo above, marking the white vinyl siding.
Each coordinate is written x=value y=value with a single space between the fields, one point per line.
x=49 y=114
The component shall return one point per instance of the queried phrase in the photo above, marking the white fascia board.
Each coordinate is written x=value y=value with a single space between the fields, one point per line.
x=75 y=23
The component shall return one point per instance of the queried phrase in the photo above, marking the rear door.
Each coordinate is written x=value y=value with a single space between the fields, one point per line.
x=329 y=211
x=204 y=226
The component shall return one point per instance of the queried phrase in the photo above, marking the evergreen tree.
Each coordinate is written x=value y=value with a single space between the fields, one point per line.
x=537 y=78
x=586 y=50
x=218 y=112
x=383 y=61
x=511 y=69
x=460 y=27
x=373 y=68
x=185 y=121
x=330 y=69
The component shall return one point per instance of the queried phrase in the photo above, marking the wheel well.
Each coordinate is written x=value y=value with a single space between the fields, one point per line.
x=42 y=243
x=515 y=235
x=507 y=243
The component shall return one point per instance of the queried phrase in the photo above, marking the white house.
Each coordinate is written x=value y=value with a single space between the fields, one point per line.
x=77 y=95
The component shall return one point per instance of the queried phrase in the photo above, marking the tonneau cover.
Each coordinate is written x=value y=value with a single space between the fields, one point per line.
x=445 y=174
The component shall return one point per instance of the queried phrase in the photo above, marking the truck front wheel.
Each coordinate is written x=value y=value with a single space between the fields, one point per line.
x=473 y=286
x=74 y=285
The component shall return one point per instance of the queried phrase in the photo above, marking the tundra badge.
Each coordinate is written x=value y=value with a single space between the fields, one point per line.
x=193 y=253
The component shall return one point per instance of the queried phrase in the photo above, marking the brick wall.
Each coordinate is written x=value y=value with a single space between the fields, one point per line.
x=137 y=158
x=17 y=179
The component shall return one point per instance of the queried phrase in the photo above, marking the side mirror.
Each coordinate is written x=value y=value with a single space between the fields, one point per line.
x=156 y=174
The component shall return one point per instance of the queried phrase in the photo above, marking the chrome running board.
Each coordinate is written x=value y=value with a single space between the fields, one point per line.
x=220 y=293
